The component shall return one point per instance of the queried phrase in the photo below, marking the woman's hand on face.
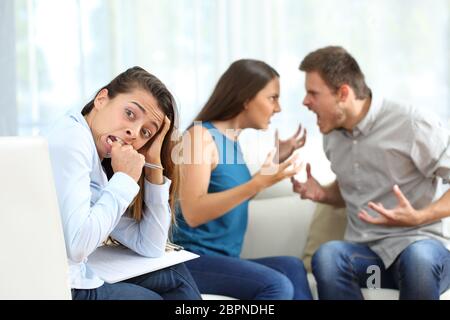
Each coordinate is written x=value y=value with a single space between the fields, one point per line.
x=285 y=148
x=272 y=172
x=152 y=152
x=127 y=160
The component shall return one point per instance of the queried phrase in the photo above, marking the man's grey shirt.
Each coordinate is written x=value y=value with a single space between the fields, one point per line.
x=393 y=144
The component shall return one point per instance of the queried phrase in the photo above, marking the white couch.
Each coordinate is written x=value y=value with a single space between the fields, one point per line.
x=279 y=222
x=278 y=225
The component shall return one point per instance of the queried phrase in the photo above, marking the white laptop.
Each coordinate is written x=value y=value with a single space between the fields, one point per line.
x=33 y=261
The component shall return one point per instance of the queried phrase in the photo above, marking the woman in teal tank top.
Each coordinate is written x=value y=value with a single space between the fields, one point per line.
x=216 y=186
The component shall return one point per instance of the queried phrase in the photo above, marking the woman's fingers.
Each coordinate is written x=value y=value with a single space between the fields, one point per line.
x=301 y=141
x=292 y=172
x=166 y=126
x=288 y=162
x=297 y=133
x=270 y=156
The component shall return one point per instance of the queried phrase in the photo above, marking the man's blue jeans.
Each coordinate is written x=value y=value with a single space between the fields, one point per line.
x=173 y=283
x=421 y=271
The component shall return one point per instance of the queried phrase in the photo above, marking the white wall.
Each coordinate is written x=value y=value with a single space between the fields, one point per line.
x=8 y=112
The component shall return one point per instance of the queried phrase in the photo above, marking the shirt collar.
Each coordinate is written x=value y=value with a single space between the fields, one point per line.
x=76 y=114
x=368 y=121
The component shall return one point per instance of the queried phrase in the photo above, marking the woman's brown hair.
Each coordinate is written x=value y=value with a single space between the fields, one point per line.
x=240 y=83
x=138 y=78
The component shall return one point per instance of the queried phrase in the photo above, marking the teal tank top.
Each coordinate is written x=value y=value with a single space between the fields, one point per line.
x=224 y=235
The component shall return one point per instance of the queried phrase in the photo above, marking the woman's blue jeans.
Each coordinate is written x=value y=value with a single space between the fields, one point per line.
x=274 y=278
x=173 y=283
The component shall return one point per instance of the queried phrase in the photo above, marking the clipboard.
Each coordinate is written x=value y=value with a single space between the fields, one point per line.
x=117 y=263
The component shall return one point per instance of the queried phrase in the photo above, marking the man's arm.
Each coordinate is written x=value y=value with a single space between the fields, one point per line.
x=405 y=215
x=437 y=210
x=333 y=195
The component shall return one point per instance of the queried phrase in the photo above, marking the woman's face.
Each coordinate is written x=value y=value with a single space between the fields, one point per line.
x=131 y=118
x=263 y=106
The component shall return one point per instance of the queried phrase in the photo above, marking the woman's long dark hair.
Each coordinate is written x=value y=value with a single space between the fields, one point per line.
x=240 y=83
x=138 y=78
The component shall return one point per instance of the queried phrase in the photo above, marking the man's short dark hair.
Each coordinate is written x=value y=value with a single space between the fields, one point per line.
x=336 y=67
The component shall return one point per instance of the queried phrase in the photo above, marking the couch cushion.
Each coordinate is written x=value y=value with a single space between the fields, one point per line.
x=370 y=294
x=277 y=226
x=280 y=189
x=328 y=224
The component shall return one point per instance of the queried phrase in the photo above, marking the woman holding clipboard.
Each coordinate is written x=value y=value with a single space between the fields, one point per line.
x=104 y=189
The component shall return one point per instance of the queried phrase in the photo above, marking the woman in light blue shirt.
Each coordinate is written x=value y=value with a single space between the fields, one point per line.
x=103 y=189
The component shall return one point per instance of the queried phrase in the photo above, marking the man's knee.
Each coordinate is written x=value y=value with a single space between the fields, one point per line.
x=421 y=256
x=326 y=261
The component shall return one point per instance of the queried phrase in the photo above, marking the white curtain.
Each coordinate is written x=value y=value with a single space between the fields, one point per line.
x=8 y=110
x=67 y=49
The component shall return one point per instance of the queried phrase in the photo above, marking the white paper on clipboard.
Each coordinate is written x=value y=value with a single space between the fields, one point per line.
x=117 y=263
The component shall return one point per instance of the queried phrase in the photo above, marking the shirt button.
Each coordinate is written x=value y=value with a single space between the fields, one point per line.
x=355 y=142
x=356 y=165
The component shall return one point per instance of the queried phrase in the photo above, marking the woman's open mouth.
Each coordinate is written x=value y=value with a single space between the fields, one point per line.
x=109 y=141
x=112 y=139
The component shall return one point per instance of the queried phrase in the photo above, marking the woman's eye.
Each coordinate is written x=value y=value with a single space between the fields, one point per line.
x=146 y=133
x=130 y=114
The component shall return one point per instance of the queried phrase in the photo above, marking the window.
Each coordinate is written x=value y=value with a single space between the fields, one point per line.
x=68 y=49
